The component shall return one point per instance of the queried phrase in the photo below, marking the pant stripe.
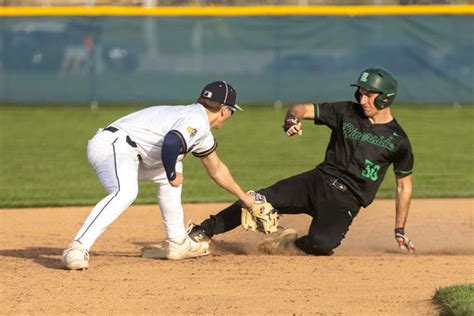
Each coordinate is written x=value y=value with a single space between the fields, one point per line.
x=118 y=184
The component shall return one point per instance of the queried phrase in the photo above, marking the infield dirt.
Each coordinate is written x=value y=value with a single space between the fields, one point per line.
x=367 y=274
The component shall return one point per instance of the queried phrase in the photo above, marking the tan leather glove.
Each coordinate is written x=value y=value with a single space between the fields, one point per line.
x=262 y=217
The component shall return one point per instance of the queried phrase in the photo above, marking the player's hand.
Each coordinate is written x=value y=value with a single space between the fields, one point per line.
x=289 y=122
x=295 y=130
x=403 y=241
x=178 y=180
x=248 y=199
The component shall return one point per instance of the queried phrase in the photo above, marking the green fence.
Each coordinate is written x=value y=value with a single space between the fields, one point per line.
x=267 y=58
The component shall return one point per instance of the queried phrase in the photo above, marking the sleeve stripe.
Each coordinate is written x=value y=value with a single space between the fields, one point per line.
x=403 y=172
x=207 y=152
x=183 y=142
x=316 y=107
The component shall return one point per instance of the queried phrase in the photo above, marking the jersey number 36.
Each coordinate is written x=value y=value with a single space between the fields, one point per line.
x=370 y=170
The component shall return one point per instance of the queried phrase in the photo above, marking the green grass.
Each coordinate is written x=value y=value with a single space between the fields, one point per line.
x=457 y=300
x=43 y=153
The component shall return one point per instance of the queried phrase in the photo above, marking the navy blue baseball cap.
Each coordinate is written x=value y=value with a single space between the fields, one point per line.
x=222 y=92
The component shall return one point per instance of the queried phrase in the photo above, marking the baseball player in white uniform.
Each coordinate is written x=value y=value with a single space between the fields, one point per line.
x=148 y=145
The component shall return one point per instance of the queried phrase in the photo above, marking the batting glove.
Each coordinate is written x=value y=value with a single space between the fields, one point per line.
x=403 y=241
x=290 y=121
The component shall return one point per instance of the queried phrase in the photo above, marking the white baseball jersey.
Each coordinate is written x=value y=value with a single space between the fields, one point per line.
x=148 y=128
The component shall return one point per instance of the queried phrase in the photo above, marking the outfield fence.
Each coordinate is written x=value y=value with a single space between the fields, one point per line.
x=166 y=54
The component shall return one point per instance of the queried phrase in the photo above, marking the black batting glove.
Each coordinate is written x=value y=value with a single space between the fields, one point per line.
x=290 y=120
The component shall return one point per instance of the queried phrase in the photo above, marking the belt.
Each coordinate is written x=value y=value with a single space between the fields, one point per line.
x=127 y=139
x=334 y=182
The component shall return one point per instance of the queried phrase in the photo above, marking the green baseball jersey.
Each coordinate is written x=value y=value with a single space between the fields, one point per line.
x=359 y=152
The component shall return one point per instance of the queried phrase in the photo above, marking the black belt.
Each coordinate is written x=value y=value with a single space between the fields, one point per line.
x=128 y=139
x=334 y=182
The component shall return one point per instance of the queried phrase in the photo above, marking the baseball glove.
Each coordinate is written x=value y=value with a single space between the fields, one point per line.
x=261 y=217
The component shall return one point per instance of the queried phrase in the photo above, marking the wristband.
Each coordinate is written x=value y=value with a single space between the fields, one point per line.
x=399 y=231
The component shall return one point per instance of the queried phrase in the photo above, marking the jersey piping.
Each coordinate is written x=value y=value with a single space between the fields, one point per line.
x=207 y=152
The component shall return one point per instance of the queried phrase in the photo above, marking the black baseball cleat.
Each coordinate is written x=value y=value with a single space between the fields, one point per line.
x=198 y=234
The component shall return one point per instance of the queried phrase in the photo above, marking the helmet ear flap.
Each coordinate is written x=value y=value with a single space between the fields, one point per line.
x=384 y=100
x=381 y=101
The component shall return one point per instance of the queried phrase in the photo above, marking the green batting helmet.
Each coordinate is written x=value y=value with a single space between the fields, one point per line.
x=377 y=80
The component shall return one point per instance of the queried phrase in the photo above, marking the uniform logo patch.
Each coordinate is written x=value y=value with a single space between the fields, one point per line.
x=352 y=132
x=207 y=94
x=364 y=77
x=191 y=131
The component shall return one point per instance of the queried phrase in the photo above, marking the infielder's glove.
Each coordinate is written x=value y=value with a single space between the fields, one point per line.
x=261 y=217
x=403 y=241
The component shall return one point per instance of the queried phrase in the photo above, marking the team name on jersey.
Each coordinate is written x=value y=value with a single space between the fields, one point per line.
x=350 y=131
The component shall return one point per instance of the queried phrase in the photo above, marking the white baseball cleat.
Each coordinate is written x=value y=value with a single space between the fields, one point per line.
x=173 y=250
x=195 y=244
x=187 y=249
x=75 y=257
x=278 y=241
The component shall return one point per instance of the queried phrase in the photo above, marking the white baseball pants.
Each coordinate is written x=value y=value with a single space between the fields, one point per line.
x=119 y=170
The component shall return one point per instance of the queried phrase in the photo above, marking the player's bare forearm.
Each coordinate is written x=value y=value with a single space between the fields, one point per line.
x=222 y=176
x=403 y=200
x=218 y=171
x=225 y=180
x=296 y=113
x=302 y=111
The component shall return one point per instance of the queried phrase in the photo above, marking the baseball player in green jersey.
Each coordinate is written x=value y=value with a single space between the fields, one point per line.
x=365 y=140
